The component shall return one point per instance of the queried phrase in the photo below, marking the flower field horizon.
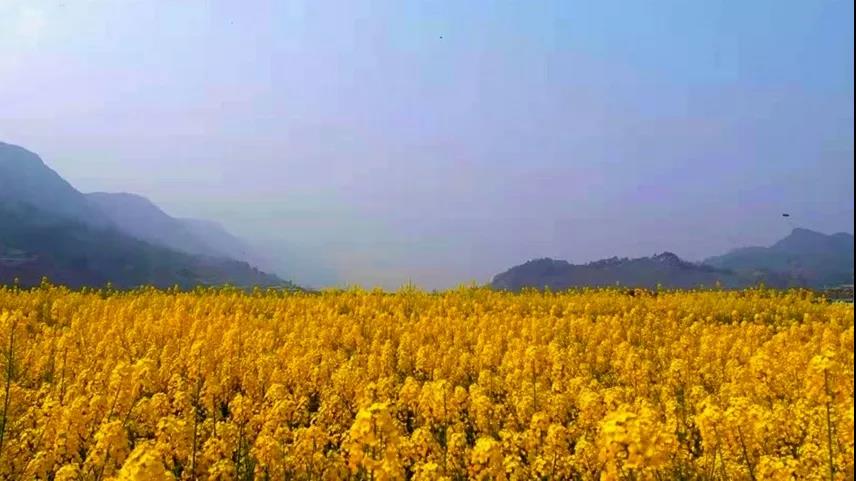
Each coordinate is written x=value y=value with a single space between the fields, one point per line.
x=470 y=383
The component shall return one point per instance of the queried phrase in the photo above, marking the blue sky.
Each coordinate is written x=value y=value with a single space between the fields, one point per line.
x=442 y=142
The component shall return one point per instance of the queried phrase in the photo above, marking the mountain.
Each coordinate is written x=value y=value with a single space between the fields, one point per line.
x=666 y=270
x=48 y=228
x=807 y=257
x=34 y=243
x=222 y=242
x=25 y=179
x=804 y=258
x=139 y=217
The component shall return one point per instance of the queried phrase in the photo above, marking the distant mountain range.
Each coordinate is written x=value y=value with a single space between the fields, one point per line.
x=802 y=259
x=139 y=217
x=805 y=258
x=49 y=228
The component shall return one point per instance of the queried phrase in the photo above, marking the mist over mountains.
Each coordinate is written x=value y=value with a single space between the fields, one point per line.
x=48 y=228
x=141 y=218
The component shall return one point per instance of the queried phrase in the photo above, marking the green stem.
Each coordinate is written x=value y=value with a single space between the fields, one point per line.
x=829 y=424
x=746 y=455
x=9 y=371
x=195 y=428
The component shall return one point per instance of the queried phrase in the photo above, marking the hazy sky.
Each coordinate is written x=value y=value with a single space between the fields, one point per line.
x=444 y=141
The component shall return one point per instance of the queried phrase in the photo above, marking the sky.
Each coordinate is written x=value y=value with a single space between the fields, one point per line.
x=442 y=142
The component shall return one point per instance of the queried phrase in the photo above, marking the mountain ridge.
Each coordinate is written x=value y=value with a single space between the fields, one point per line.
x=25 y=178
x=661 y=270
x=804 y=258
x=141 y=218
x=49 y=228
x=812 y=258
x=138 y=216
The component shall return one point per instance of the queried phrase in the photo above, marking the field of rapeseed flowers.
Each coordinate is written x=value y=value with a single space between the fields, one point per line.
x=466 y=384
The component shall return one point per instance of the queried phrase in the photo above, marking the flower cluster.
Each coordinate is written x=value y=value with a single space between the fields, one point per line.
x=221 y=384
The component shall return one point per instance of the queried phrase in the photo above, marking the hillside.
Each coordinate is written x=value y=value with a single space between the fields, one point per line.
x=139 y=217
x=666 y=270
x=25 y=179
x=48 y=228
x=34 y=244
x=222 y=242
x=805 y=256
x=802 y=259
